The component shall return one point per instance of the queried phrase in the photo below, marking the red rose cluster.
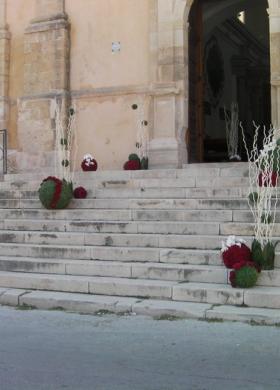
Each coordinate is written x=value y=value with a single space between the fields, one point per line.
x=89 y=163
x=235 y=253
x=80 y=193
x=268 y=179
x=238 y=257
x=132 y=165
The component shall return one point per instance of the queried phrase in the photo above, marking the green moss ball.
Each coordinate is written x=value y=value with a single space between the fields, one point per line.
x=246 y=277
x=47 y=191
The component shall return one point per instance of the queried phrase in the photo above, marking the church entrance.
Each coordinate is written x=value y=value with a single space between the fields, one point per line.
x=229 y=74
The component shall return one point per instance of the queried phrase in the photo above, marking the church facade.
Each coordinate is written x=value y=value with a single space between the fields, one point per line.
x=181 y=62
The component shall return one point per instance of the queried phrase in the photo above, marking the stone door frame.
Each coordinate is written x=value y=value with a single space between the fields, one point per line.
x=169 y=65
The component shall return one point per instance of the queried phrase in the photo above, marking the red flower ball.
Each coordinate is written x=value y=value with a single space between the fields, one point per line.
x=92 y=166
x=268 y=179
x=132 y=165
x=80 y=193
x=236 y=254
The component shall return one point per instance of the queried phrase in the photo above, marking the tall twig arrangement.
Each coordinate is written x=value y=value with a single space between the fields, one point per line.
x=264 y=168
x=142 y=136
x=65 y=141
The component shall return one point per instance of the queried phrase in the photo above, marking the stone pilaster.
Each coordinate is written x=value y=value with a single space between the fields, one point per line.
x=4 y=66
x=46 y=77
x=274 y=23
x=167 y=146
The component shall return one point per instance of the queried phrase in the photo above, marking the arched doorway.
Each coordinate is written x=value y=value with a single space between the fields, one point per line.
x=229 y=62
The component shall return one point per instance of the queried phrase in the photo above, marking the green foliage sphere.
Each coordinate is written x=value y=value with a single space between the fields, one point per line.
x=246 y=277
x=47 y=192
x=144 y=163
x=133 y=156
x=253 y=197
x=264 y=257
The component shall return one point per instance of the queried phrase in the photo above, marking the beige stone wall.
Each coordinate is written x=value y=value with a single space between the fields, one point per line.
x=104 y=84
x=152 y=64
x=17 y=22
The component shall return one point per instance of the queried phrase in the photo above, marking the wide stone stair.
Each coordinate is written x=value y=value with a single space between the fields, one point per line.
x=144 y=242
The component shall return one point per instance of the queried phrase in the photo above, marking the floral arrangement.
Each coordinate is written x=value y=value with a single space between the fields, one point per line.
x=89 y=163
x=133 y=163
x=237 y=256
x=55 y=193
x=65 y=139
x=244 y=274
x=142 y=136
x=234 y=250
x=264 y=169
x=80 y=193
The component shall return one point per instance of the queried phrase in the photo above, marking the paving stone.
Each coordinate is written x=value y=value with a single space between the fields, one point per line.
x=131 y=287
x=164 y=309
x=251 y=315
x=124 y=254
x=266 y=297
x=187 y=256
x=208 y=293
x=26 y=264
x=79 y=303
x=190 y=273
x=11 y=297
x=44 y=282
x=137 y=240
x=99 y=268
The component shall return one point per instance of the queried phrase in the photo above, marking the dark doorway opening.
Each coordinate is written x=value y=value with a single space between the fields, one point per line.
x=229 y=63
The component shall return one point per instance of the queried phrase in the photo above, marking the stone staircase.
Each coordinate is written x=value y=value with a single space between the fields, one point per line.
x=143 y=241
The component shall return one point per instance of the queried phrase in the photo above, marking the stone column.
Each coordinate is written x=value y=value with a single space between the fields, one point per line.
x=274 y=23
x=167 y=146
x=46 y=77
x=4 y=66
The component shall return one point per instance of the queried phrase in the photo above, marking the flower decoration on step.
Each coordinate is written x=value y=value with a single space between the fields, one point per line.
x=133 y=163
x=80 y=193
x=268 y=179
x=89 y=163
x=234 y=250
x=55 y=193
x=244 y=274
x=263 y=168
x=238 y=257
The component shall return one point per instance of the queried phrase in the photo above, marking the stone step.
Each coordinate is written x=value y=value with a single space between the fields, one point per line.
x=201 y=228
x=190 y=193
x=86 y=284
x=155 y=271
x=122 y=254
x=201 y=169
x=193 y=228
x=160 y=204
x=218 y=294
x=159 y=309
x=115 y=240
x=126 y=215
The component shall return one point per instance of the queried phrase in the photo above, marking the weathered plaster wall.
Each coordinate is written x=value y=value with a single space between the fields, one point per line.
x=106 y=124
x=19 y=13
x=95 y=25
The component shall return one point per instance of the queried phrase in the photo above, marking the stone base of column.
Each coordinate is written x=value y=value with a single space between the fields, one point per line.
x=164 y=153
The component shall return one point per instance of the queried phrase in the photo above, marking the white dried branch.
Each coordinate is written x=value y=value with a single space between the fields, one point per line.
x=261 y=166
x=142 y=136
x=64 y=125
